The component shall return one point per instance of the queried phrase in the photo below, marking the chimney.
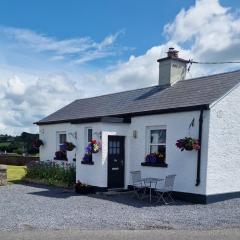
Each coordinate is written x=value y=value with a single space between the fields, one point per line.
x=171 y=68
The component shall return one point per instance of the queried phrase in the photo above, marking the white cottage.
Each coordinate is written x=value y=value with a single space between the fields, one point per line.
x=134 y=123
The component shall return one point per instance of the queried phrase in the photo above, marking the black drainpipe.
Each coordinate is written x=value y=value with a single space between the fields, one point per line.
x=198 y=180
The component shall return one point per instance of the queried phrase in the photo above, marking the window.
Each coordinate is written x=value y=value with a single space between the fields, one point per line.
x=89 y=135
x=157 y=141
x=114 y=147
x=62 y=137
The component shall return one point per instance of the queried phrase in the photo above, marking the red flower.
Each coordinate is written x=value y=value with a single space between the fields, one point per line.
x=94 y=141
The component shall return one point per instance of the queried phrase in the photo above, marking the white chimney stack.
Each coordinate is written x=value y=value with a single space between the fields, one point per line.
x=172 y=68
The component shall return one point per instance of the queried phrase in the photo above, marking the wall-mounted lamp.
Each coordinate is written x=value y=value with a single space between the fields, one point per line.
x=134 y=133
x=42 y=131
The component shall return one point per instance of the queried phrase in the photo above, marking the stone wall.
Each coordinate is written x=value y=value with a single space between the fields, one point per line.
x=16 y=160
x=3 y=175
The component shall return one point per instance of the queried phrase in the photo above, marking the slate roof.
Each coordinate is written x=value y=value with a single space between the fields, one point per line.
x=186 y=94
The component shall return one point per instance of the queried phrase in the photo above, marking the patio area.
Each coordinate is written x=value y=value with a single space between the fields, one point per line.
x=41 y=207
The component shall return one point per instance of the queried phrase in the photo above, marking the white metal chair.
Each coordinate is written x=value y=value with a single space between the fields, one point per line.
x=166 y=191
x=138 y=183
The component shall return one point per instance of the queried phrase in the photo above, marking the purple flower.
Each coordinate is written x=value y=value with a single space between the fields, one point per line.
x=87 y=158
x=89 y=148
x=63 y=147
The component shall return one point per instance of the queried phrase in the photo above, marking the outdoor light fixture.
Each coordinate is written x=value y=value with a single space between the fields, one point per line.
x=134 y=133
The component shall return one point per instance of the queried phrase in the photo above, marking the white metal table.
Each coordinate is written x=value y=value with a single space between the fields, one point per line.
x=151 y=183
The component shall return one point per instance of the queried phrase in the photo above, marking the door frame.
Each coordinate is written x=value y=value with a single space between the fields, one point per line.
x=124 y=158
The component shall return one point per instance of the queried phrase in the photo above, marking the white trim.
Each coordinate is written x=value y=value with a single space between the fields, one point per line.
x=58 y=139
x=86 y=135
x=147 y=143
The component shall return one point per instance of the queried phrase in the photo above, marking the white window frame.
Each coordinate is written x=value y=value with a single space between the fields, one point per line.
x=58 y=139
x=148 y=138
x=86 y=134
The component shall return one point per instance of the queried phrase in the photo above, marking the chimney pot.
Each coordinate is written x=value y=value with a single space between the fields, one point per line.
x=172 y=53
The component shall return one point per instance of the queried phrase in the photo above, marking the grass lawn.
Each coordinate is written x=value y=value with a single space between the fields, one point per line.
x=15 y=173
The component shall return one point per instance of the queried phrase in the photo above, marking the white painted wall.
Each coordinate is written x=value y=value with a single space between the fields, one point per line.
x=224 y=145
x=48 y=133
x=181 y=163
x=89 y=174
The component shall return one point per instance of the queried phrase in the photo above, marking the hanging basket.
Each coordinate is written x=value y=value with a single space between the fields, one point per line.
x=37 y=143
x=188 y=148
x=69 y=146
x=188 y=144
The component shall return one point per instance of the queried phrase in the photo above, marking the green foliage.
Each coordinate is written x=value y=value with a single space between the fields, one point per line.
x=19 y=144
x=52 y=173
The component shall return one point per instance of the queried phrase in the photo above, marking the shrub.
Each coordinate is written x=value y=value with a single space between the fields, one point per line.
x=52 y=173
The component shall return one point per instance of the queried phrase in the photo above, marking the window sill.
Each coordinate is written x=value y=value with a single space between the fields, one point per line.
x=87 y=163
x=147 y=164
x=58 y=159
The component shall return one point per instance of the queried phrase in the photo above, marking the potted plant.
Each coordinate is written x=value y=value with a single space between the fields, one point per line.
x=188 y=144
x=87 y=158
x=83 y=188
x=154 y=158
x=60 y=155
x=37 y=143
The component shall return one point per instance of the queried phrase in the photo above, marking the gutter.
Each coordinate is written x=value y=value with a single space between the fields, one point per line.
x=198 y=179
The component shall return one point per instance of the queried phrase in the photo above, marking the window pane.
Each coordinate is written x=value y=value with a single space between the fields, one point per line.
x=118 y=150
x=62 y=138
x=89 y=135
x=158 y=136
x=110 y=150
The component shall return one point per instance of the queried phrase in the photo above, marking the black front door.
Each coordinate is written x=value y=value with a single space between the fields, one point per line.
x=116 y=160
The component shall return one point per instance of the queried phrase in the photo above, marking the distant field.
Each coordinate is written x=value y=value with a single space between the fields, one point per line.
x=4 y=144
x=15 y=173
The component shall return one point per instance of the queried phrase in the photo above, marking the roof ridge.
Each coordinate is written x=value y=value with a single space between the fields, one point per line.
x=212 y=75
x=125 y=91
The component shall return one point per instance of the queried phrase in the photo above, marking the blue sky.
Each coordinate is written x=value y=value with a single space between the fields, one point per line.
x=96 y=19
x=62 y=50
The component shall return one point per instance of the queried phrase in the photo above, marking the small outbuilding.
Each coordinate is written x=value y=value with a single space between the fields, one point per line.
x=133 y=130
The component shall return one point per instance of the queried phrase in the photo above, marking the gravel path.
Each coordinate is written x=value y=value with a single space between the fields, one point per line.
x=40 y=207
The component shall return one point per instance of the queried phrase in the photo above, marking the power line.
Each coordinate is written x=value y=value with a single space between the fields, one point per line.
x=190 y=62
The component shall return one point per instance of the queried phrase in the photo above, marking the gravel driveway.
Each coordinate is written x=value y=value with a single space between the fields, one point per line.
x=40 y=207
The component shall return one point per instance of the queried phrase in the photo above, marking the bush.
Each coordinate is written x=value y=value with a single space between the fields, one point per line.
x=52 y=173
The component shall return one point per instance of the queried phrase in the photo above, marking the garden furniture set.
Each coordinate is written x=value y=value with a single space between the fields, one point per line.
x=144 y=187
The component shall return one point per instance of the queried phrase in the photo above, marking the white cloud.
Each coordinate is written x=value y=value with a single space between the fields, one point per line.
x=82 y=50
x=16 y=86
x=206 y=31
x=24 y=102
